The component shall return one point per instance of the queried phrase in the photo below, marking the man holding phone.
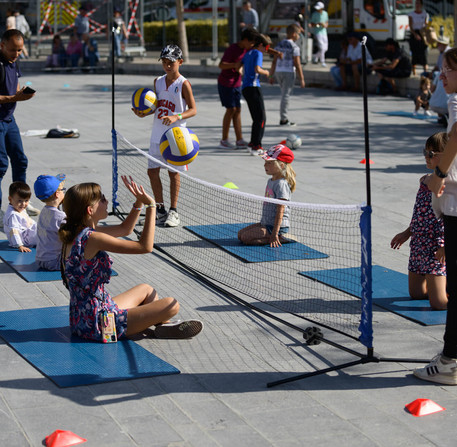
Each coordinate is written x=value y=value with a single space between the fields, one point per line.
x=11 y=47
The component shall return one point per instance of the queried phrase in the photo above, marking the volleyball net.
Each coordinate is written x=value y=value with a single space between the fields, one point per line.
x=317 y=275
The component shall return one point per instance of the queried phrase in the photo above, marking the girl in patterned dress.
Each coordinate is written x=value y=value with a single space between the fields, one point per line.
x=426 y=268
x=86 y=268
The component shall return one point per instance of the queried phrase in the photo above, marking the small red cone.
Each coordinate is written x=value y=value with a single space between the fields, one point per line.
x=364 y=161
x=423 y=407
x=283 y=142
x=63 y=438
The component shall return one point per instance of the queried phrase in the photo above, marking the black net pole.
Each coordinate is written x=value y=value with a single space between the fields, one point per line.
x=113 y=66
x=365 y=119
x=113 y=123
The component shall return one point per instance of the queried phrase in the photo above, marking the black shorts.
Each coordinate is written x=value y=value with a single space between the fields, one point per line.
x=230 y=96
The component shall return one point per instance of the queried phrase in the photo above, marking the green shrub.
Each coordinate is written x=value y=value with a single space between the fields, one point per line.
x=199 y=32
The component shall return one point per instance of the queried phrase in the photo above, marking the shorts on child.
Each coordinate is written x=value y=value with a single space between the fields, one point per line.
x=230 y=96
x=282 y=230
x=154 y=151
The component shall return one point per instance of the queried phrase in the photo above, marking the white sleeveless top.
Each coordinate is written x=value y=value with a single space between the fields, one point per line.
x=170 y=102
x=447 y=203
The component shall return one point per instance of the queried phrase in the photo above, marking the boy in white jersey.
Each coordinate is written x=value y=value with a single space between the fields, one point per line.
x=176 y=103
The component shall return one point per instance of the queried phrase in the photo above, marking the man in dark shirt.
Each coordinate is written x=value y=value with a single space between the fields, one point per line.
x=396 y=64
x=11 y=46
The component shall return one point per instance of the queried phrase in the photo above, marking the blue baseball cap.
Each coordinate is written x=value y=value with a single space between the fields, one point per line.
x=46 y=185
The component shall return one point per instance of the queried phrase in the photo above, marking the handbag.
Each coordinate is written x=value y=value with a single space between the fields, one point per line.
x=428 y=34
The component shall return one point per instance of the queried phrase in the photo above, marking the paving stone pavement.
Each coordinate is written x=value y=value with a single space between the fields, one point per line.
x=220 y=398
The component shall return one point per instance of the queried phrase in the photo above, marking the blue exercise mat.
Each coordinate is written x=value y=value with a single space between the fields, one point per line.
x=42 y=337
x=390 y=291
x=226 y=237
x=419 y=116
x=25 y=266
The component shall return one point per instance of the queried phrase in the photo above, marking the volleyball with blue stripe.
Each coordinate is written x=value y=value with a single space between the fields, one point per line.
x=145 y=100
x=179 y=146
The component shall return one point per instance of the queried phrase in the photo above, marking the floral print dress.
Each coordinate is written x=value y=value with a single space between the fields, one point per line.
x=86 y=281
x=427 y=235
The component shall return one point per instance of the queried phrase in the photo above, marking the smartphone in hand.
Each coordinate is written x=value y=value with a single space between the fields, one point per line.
x=28 y=90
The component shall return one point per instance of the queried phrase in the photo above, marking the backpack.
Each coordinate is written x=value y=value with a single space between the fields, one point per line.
x=62 y=133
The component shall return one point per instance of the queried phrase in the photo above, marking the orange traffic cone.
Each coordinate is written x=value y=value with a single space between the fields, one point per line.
x=423 y=407
x=364 y=161
x=63 y=438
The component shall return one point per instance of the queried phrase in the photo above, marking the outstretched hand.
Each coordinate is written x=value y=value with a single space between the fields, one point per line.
x=399 y=239
x=137 y=190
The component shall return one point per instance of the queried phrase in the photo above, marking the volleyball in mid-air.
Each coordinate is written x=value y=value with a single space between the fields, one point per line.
x=293 y=142
x=145 y=100
x=179 y=146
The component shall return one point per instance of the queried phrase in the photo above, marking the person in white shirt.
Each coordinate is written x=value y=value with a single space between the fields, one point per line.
x=353 y=62
x=20 y=229
x=418 y=19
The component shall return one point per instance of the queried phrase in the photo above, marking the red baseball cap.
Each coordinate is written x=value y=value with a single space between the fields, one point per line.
x=279 y=152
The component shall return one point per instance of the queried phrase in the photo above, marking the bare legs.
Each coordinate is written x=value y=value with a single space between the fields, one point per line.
x=144 y=307
x=431 y=287
x=157 y=189
x=232 y=115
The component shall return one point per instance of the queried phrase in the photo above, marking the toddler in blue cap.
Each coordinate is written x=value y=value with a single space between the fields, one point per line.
x=50 y=190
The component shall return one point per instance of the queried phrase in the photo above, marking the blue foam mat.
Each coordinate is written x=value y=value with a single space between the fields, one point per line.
x=226 y=237
x=25 y=266
x=390 y=291
x=419 y=116
x=42 y=337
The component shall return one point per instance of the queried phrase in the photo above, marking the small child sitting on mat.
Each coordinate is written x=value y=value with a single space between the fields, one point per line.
x=426 y=268
x=275 y=218
x=50 y=191
x=20 y=229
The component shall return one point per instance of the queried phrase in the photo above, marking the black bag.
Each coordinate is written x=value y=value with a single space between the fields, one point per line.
x=61 y=133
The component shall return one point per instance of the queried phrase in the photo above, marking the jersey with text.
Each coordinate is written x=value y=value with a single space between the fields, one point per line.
x=170 y=102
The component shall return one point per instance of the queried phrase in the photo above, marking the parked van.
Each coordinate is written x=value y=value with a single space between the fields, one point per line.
x=379 y=18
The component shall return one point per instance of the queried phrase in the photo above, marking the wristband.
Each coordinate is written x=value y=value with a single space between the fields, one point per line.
x=440 y=173
x=151 y=205
x=137 y=209
x=179 y=116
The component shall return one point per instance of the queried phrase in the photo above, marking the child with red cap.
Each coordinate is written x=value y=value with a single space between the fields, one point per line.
x=275 y=217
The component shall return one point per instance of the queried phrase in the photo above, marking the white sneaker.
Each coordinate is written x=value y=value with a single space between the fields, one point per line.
x=415 y=113
x=324 y=64
x=440 y=370
x=427 y=113
x=32 y=211
x=178 y=329
x=172 y=219
x=225 y=144
x=256 y=150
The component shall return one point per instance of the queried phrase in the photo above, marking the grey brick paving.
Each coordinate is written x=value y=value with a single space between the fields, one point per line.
x=220 y=398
